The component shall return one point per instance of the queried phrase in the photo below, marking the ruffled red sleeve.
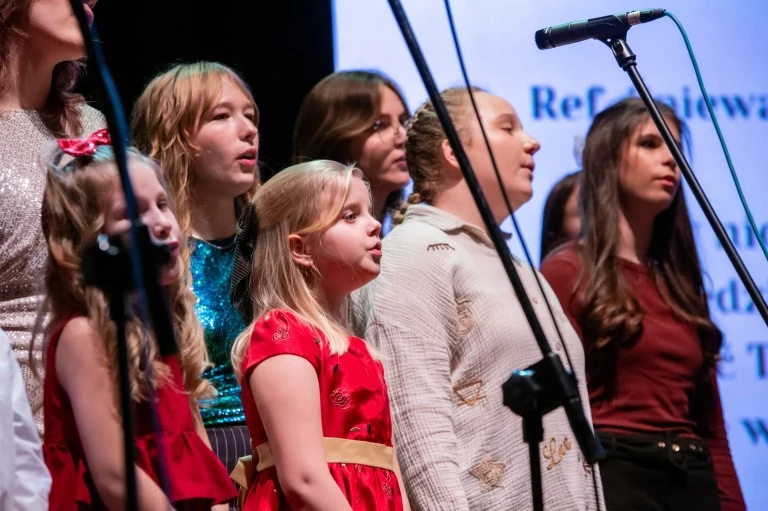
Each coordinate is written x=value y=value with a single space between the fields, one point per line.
x=280 y=332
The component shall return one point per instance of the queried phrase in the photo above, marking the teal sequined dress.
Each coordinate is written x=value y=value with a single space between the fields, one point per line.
x=211 y=266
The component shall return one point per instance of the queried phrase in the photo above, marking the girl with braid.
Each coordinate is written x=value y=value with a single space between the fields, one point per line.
x=450 y=330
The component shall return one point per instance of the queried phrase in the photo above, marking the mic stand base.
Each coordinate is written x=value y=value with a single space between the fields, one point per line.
x=531 y=394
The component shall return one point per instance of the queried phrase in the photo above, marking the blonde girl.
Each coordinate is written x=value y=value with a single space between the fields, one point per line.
x=315 y=400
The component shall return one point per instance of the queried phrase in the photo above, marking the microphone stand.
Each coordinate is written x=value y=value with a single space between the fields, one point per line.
x=115 y=269
x=627 y=61
x=535 y=391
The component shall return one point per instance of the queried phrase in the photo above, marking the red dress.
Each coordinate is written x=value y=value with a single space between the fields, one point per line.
x=196 y=477
x=353 y=405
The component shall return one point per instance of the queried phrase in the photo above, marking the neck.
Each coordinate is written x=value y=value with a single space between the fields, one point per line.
x=457 y=200
x=213 y=218
x=379 y=202
x=635 y=233
x=328 y=302
x=30 y=81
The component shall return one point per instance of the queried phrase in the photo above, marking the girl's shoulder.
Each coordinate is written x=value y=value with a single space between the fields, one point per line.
x=563 y=258
x=282 y=332
x=277 y=318
x=76 y=329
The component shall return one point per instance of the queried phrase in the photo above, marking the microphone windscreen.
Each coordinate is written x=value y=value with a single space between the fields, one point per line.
x=542 y=39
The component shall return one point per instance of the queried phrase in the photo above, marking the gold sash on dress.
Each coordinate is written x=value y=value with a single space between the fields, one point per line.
x=337 y=450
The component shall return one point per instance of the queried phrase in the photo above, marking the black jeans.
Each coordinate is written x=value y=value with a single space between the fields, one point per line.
x=657 y=473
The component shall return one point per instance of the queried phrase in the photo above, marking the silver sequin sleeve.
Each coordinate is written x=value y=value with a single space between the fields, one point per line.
x=22 y=248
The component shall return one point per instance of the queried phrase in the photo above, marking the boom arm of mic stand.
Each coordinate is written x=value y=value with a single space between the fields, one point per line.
x=628 y=62
x=565 y=388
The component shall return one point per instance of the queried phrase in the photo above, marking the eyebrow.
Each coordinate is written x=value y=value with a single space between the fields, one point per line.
x=508 y=117
x=678 y=142
x=230 y=105
x=356 y=205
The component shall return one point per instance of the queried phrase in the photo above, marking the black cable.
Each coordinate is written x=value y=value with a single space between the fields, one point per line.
x=500 y=180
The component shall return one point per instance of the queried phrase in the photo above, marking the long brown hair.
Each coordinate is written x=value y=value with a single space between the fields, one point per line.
x=339 y=108
x=73 y=214
x=61 y=113
x=167 y=117
x=610 y=315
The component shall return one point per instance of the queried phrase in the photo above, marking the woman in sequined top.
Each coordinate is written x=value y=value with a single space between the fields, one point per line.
x=40 y=48
x=200 y=121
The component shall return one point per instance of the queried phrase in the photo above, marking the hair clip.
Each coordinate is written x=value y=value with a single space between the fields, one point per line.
x=79 y=147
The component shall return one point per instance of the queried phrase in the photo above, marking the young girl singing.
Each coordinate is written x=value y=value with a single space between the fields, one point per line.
x=83 y=435
x=315 y=400
x=201 y=123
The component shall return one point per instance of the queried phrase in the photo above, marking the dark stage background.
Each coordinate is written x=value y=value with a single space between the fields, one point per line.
x=281 y=48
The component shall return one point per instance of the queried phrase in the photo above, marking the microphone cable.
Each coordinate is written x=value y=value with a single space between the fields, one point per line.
x=720 y=137
x=500 y=181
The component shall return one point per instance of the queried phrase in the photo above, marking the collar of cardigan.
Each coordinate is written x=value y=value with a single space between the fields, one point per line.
x=447 y=222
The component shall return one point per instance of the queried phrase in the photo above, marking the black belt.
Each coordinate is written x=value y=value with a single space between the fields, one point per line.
x=663 y=446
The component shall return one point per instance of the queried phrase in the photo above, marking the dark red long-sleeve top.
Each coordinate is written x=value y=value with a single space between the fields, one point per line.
x=658 y=385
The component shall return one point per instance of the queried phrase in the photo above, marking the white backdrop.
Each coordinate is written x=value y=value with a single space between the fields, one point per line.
x=557 y=91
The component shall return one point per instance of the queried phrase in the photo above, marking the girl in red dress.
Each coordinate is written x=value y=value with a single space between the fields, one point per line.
x=315 y=399
x=82 y=444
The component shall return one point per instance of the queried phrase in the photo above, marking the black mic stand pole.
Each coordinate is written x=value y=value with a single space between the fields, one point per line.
x=546 y=385
x=628 y=62
x=106 y=265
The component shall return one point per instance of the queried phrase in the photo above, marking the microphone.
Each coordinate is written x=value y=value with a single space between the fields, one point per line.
x=602 y=28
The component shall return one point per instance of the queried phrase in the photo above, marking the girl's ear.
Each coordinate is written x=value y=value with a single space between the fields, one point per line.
x=452 y=166
x=300 y=251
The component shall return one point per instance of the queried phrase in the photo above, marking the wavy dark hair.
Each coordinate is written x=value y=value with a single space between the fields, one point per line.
x=336 y=110
x=610 y=315
x=61 y=112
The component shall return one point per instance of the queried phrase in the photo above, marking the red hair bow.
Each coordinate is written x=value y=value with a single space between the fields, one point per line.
x=84 y=146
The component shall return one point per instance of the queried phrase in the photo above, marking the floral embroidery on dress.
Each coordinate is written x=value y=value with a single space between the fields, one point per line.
x=469 y=392
x=489 y=472
x=341 y=398
x=555 y=451
x=281 y=334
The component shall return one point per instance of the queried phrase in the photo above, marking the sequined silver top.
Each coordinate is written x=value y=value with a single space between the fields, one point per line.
x=22 y=246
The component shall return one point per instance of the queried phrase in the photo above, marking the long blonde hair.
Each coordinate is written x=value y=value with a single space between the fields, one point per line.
x=304 y=199
x=73 y=214
x=167 y=117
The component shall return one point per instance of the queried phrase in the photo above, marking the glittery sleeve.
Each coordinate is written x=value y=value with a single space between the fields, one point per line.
x=280 y=332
